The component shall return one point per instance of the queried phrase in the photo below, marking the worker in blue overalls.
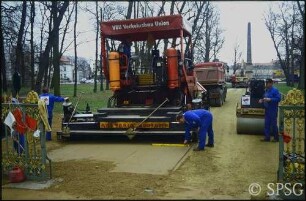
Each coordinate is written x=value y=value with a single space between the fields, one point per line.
x=198 y=119
x=270 y=100
x=50 y=99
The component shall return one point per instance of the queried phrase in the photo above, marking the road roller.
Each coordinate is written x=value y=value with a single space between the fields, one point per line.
x=249 y=112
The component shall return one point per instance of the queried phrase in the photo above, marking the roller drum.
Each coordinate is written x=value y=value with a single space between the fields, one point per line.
x=250 y=125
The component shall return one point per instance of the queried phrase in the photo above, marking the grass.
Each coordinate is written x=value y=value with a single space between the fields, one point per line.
x=283 y=88
x=85 y=95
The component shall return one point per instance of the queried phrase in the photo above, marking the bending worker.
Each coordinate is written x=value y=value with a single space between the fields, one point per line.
x=271 y=99
x=198 y=119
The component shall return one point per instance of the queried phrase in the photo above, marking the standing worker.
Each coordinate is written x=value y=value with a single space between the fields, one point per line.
x=270 y=100
x=201 y=119
x=127 y=48
x=49 y=99
x=16 y=84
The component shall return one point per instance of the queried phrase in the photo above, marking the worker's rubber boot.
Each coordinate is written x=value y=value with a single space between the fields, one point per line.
x=210 y=145
x=198 y=149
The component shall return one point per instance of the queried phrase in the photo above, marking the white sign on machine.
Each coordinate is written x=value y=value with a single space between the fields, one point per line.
x=246 y=100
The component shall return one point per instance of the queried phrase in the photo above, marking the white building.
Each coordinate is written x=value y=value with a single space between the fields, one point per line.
x=67 y=70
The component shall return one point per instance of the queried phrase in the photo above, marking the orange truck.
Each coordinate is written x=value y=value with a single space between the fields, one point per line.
x=212 y=76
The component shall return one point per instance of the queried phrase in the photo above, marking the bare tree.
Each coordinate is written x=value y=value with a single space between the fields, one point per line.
x=129 y=10
x=237 y=57
x=197 y=26
x=217 y=42
x=101 y=71
x=19 y=46
x=75 y=50
x=55 y=45
x=19 y=49
x=2 y=56
x=44 y=58
x=213 y=34
x=32 y=44
x=166 y=41
x=302 y=45
x=96 y=54
x=207 y=35
x=284 y=31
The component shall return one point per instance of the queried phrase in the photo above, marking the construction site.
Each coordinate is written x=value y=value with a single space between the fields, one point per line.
x=133 y=148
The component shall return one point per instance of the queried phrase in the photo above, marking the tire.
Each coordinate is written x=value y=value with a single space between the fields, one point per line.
x=224 y=93
x=219 y=102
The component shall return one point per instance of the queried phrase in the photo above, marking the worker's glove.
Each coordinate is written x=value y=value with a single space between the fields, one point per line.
x=267 y=99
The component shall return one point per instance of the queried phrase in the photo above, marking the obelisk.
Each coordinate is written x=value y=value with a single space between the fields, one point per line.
x=249 y=46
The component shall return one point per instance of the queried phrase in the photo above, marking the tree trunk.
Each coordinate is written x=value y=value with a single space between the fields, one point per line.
x=19 y=49
x=302 y=66
x=96 y=55
x=32 y=45
x=207 y=41
x=130 y=9
x=195 y=31
x=2 y=57
x=56 y=58
x=75 y=51
x=102 y=75
x=166 y=41
x=45 y=55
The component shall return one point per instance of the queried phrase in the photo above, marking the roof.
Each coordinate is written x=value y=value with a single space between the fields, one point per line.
x=142 y=29
x=209 y=64
x=64 y=59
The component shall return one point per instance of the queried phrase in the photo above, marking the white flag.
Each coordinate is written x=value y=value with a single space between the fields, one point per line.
x=9 y=121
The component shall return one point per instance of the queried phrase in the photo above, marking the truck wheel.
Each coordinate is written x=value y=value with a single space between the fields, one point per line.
x=219 y=101
x=224 y=94
x=221 y=92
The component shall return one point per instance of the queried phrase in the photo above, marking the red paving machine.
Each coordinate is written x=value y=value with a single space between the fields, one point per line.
x=149 y=92
x=212 y=76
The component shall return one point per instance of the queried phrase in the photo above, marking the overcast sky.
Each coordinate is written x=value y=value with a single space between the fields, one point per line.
x=234 y=17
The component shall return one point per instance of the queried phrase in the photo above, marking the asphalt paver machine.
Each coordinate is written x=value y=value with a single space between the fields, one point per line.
x=149 y=90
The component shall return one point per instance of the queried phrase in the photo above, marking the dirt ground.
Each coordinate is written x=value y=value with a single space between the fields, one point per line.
x=223 y=172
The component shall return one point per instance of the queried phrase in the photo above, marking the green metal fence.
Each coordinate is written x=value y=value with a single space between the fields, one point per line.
x=292 y=138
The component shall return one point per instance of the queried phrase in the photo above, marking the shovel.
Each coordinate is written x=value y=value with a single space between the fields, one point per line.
x=131 y=131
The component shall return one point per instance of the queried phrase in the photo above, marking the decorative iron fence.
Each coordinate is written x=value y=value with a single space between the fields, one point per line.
x=292 y=138
x=24 y=143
